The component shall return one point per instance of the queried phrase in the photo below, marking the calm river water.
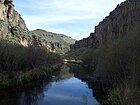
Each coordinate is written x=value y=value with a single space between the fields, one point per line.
x=64 y=89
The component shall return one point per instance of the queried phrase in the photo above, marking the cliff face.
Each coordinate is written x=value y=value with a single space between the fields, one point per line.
x=124 y=19
x=13 y=28
x=9 y=18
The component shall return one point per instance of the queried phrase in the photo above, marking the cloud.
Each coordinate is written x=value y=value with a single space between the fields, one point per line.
x=58 y=12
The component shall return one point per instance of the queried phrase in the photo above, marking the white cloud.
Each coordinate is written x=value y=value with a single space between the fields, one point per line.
x=45 y=12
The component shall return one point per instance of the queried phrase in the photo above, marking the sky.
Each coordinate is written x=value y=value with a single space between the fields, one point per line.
x=75 y=18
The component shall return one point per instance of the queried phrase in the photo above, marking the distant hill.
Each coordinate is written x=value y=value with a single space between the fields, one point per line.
x=14 y=29
x=53 y=41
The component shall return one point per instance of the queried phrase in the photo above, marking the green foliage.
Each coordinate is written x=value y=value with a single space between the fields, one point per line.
x=16 y=57
x=125 y=94
x=122 y=58
x=50 y=37
x=18 y=62
x=114 y=98
x=120 y=64
x=75 y=54
x=16 y=34
x=89 y=58
x=20 y=79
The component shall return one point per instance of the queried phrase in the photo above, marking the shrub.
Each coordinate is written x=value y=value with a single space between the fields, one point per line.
x=15 y=57
x=120 y=65
x=89 y=58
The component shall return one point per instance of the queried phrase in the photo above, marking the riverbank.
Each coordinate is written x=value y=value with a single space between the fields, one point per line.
x=19 y=65
x=62 y=89
x=119 y=65
x=116 y=69
x=19 y=79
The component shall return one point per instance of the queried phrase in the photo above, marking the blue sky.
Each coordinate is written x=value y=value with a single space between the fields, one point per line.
x=75 y=18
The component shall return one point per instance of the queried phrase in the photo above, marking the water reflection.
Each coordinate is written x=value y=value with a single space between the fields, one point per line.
x=64 y=89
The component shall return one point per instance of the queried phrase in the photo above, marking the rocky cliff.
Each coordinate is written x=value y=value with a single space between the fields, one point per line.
x=124 y=19
x=13 y=28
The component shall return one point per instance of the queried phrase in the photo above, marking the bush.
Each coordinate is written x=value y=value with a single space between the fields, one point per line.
x=120 y=65
x=75 y=54
x=15 y=57
x=19 y=65
x=121 y=60
x=89 y=58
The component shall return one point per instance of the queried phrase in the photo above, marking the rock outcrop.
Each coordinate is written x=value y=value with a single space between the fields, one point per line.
x=9 y=18
x=13 y=28
x=52 y=41
x=124 y=19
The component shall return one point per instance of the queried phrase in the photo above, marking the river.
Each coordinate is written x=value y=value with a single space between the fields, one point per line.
x=62 y=89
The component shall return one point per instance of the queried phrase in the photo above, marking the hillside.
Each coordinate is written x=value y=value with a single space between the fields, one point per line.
x=54 y=42
x=14 y=29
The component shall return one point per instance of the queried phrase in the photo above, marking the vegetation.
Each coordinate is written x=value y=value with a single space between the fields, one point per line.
x=120 y=62
x=20 y=64
x=75 y=54
x=50 y=37
x=89 y=58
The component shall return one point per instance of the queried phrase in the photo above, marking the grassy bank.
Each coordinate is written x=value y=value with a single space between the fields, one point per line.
x=119 y=64
x=19 y=64
x=74 y=54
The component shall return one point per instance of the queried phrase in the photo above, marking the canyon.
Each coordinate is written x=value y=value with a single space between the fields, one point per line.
x=14 y=29
x=122 y=20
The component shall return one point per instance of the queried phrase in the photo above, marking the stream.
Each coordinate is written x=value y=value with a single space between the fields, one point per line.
x=62 y=89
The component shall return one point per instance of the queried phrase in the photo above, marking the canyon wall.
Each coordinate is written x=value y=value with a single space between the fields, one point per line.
x=124 y=19
x=14 y=29
x=9 y=18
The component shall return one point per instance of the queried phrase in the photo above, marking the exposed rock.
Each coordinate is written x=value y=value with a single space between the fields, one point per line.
x=13 y=28
x=52 y=41
x=122 y=20
x=9 y=18
x=10 y=5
